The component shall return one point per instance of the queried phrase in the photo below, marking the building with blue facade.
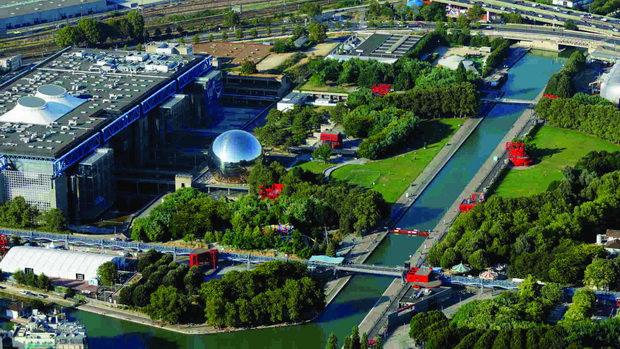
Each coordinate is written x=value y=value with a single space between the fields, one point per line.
x=71 y=123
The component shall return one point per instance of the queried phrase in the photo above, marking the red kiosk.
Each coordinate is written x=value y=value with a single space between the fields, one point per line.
x=467 y=204
x=271 y=192
x=202 y=257
x=421 y=278
x=334 y=140
x=517 y=155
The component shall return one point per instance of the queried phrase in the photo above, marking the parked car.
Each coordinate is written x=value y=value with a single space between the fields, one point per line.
x=23 y=292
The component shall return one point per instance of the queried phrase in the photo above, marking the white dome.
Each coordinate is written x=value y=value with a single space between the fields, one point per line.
x=610 y=87
x=49 y=104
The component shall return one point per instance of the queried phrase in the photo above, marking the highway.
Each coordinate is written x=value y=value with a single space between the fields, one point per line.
x=546 y=14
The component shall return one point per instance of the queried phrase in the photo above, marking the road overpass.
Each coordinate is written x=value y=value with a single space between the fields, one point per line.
x=507 y=101
x=544 y=14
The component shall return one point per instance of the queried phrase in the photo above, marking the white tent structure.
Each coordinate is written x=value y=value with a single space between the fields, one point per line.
x=49 y=104
x=452 y=62
x=62 y=264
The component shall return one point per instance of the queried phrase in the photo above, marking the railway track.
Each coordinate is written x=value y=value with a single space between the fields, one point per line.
x=196 y=6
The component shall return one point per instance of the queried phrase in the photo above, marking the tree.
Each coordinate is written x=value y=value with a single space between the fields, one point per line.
x=312 y=9
x=248 y=67
x=323 y=153
x=210 y=37
x=475 y=12
x=231 y=19
x=182 y=41
x=139 y=47
x=68 y=36
x=43 y=282
x=332 y=342
x=90 y=30
x=317 y=32
x=355 y=338
x=140 y=296
x=433 y=12
x=167 y=304
x=107 y=273
x=55 y=221
x=136 y=22
x=36 y=304
x=193 y=279
x=581 y=309
x=461 y=73
x=268 y=31
x=331 y=249
x=364 y=341
x=239 y=33
x=253 y=32
x=283 y=30
x=157 y=32
x=602 y=274
x=569 y=24
x=224 y=36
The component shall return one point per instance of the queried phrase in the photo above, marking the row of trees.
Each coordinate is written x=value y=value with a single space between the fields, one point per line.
x=596 y=119
x=92 y=32
x=544 y=234
x=288 y=128
x=561 y=83
x=405 y=74
x=273 y=292
x=17 y=213
x=29 y=278
x=501 y=49
x=354 y=341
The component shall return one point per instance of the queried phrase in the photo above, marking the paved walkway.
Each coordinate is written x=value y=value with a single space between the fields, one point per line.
x=328 y=171
x=432 y=169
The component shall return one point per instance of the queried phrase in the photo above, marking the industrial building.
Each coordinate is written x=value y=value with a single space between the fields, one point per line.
x=233 y=151
x=386 y=48
x=63 y=264
x=22 y=13
x=74 y=125
x=610 y=85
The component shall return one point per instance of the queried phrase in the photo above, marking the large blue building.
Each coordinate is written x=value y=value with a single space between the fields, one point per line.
x=70 y=123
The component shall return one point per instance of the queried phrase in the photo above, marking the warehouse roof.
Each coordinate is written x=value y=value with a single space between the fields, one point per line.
x=55 y=263
x=14 y=8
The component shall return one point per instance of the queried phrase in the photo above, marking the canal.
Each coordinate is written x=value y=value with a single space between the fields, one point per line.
x=525 y=81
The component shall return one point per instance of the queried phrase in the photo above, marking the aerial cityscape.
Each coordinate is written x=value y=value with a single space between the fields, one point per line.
x=354 y=174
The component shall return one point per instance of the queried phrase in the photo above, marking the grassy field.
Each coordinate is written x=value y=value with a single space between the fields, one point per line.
x=315 y=166
x=559 y=148
x=393 y=175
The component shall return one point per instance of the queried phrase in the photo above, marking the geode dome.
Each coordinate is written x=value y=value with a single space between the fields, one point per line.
x=610 y=87
x=234 y=149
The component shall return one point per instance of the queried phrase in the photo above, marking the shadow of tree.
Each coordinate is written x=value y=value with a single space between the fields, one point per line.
x=542 y=153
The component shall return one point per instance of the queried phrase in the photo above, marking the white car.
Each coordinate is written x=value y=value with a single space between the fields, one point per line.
x=23 y=292
x=615 y=29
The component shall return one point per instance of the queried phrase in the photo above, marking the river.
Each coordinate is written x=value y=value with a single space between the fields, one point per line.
x=525 y=81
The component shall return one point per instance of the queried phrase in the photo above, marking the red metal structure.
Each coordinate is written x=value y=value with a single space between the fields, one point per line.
x=381 y=89
x=517 y=154
x=550 y=96
x=410 y=232
x=271 y=192
x=421 y=278
x=202 y=257
x=4 y=244
x=467 y=204
x=335 y=140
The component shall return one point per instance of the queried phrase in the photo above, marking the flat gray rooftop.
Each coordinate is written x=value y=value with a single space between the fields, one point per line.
x=109 y=81
x=14 y=8
x=387 y=45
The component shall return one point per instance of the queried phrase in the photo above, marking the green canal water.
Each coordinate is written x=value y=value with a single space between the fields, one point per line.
x=525 y=81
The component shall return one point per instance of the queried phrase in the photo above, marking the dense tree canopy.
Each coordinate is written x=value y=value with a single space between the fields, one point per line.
x=546 y=235
x=273 y=292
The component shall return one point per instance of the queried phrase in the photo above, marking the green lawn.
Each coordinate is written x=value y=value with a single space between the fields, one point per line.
x=560 y=148
x=315 y=166
x=393 y=175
